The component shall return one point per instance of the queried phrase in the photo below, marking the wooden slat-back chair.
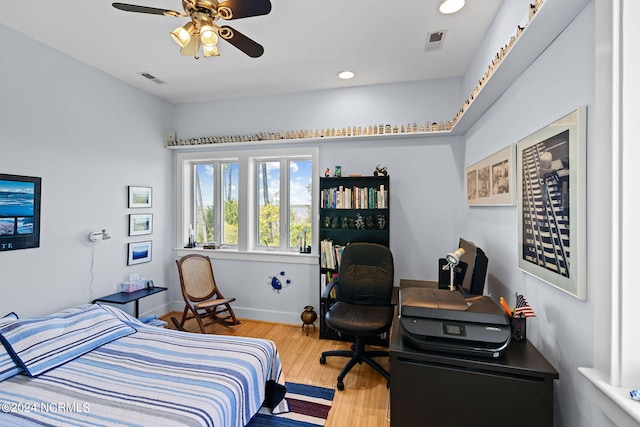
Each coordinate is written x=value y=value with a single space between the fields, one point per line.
x=201 y=294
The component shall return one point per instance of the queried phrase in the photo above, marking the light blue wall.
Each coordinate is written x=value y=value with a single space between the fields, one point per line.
x=88 y=136
x=559 y=81
x=401 y=103
x=423 y=171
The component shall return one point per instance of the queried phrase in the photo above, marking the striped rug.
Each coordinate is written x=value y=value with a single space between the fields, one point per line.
x=308 y=406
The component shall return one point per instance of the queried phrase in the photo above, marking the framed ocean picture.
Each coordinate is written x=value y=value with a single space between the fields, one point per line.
x=140 y=224
x=19 y=212
x=139 y=197
x=139 y=252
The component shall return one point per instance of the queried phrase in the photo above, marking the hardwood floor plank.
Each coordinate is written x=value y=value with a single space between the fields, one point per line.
x=363 y=402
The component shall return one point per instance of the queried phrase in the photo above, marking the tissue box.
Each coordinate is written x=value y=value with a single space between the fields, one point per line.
x=136 y=285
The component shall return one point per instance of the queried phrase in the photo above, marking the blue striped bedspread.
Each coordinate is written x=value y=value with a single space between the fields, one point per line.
x=154 y=377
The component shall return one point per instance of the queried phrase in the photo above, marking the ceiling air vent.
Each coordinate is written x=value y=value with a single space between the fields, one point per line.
x=434 y=41
x=151 y=77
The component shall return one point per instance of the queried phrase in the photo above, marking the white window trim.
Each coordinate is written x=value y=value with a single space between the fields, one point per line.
x=616 y=368
x=246 y=203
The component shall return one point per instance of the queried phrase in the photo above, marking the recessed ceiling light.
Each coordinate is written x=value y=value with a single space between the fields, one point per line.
x=346 y=75
x=451 y=6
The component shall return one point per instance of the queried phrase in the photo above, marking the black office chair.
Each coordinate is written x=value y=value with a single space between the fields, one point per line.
x=363 y=303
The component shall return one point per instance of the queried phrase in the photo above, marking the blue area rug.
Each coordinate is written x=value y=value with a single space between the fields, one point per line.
x=308 y=406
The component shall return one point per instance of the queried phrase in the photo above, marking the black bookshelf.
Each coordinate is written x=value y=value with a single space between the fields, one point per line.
x=352 y=209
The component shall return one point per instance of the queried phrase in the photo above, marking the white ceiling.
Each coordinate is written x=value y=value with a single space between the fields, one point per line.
x=306 y=44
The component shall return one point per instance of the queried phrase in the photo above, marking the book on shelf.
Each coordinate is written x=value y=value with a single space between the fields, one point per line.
x=326 y=279
x=341 y=197
x=330 y=254
x=338 y=249
x=327 y=258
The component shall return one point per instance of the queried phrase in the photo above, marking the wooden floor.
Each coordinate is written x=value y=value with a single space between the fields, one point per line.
x=364 y=400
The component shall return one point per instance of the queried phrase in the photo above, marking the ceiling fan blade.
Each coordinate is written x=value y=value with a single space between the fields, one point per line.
x=242 y=42
x=246 y=8
x=145 y=9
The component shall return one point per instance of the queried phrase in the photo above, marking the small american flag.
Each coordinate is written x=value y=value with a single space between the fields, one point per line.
x=523 y=308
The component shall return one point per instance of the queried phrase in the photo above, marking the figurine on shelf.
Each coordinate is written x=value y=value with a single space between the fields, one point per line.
x=327 y=172
x=380 y=171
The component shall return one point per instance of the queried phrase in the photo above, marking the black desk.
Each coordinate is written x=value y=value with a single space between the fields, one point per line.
x=126 y=297
x=438 y=389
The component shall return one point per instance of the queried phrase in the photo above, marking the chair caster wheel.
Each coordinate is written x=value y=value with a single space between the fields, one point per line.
x=323 y=360
x=340 y=385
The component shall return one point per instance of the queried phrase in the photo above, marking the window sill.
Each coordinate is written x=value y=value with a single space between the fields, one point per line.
x=261 y=256
x=615 y=402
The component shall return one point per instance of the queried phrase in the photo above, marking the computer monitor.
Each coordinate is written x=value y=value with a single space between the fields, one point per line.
x=469 y=274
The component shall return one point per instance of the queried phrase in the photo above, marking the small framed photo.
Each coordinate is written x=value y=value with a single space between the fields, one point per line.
x=139 y=252
x=140 y=224
x=492 y=181
x=139 y=197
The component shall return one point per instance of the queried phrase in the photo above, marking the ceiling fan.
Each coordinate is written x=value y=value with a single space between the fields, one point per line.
x=202 y=30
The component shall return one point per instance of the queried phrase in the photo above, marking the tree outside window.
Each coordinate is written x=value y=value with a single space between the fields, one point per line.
x=269 y=203
x=300 y=203
x=208 y=196
x=291 y=214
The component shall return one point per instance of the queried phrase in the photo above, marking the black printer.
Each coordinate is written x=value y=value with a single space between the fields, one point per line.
x=446 y=321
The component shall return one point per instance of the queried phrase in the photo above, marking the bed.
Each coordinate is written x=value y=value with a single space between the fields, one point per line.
x=96 y=365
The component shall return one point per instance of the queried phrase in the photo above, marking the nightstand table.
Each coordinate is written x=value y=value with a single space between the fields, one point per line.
x=127 y=297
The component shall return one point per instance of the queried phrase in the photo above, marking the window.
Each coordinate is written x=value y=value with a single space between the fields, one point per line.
x=216 y=205
x=256 y=201
x=284 y=203
x=300 y=203
x=229 y=231
x=268 y=217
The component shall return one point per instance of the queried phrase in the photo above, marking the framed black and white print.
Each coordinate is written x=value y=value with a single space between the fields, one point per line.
x=552 y=206
x=139 y=253
x=140 y=224
x=139 y=197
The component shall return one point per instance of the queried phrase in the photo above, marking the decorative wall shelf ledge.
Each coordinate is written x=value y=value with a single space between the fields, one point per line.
x=552 y=17
x=543 y=28
x=314 y=140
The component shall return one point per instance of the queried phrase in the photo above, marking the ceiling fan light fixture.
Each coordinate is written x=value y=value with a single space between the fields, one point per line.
x=210 y=50
x=182 y=35
x=208 y=36
x=451 y=6
x=202 y=30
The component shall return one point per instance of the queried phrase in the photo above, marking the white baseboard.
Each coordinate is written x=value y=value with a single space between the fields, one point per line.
x=268 y=315
x=241 y=312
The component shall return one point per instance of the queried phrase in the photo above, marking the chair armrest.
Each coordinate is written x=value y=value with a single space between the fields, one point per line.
x=327 y=290
x=395 y=295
